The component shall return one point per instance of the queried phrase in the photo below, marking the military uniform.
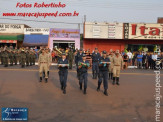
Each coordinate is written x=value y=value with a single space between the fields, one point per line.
x=63 y=72
x=95 y=64
x=111 y=67
x=83 y=67
x=16 y=57
x=27 y=58
x=103 y=73
x=43 y=63
x=11 y=57
x=50 y=61
x=77 y=59
x=23 y=58
x=70 y=58
x=117 y=65
x=5 y=58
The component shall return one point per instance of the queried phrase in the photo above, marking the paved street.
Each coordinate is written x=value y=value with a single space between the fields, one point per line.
x=132 y=101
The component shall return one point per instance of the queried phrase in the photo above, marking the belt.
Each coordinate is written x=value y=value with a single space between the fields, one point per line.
x=116 y=65
x=43 y=62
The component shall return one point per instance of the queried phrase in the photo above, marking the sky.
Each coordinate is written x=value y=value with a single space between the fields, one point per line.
x=133 y=11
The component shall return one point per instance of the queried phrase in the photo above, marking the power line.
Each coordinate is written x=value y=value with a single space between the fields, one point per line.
x=40 y=21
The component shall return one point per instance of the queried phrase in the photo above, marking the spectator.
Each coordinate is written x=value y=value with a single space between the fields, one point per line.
x=139 y=60
x=154 y=58
x=130 y=57
x=125 y=60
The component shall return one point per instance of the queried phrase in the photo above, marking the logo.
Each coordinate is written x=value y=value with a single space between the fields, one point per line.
x=14 y=114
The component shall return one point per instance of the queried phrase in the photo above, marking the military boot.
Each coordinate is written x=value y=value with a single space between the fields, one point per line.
x=98 y=88
x=46 y=80
x=113 y=81
x=85 y=92
x=64 y=90
x=105 y=92
x=117 y=80
x=80 y=86
x=40 y=79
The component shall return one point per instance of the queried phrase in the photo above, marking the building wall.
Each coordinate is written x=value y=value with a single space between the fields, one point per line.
x=114 y=44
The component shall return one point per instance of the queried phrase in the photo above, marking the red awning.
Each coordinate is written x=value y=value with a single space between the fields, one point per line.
x=8 y=41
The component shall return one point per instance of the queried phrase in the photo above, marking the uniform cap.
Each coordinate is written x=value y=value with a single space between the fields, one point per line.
x=104 y=52
x=81 y=50
x=84 y=55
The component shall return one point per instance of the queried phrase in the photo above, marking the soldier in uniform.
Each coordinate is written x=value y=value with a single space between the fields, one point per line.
x=83 y=67
x=43 y=63
x=103 y=72
x=50 y=59
x=11 y=57
x=33 y=57
x=117 y=66
x=5 y=58
x=95 y=63
x=27 y=57
x=78 y=58
x=2 y=54
x=15 y=57
x=70 y=58
x=111 y=65
x=63 y=72
x=23 y=58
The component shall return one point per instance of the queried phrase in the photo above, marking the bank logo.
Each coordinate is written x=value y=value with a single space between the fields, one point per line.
x=14 y=114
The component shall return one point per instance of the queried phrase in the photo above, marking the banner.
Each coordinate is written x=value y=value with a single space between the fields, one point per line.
x=11 y=28
x=146 y=31
x=64 y=33
x=103 y=30
x=43 y=31
x=8 y=41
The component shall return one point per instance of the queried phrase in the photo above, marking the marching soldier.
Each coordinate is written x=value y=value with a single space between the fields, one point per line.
x=33 y=57
x=70 y=58
x=23 y=58
x=5 y=58
x=111 y=65
x=15 y=57
x=50 y=58
x=103 y=72
x=43 y=63
x=117 y=66
x=2 y=56
x=11 y=57
x=95 y=63
x=83 y=67
x=27 y=57
x=78 y=58
x=63 y=72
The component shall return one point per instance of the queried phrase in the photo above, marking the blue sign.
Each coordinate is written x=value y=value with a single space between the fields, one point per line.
x=14 y=114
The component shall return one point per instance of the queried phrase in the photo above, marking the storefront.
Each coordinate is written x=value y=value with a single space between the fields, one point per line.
x=104 y=36
x=36 y=37
x=134 y=37
x=144 y=37
x=64 y=38
x=12 y=34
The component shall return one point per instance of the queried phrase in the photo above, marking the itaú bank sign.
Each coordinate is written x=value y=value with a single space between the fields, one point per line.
x=143 y=31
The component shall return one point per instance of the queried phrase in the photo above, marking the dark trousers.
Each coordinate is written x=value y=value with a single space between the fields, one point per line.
x=83 y=78
x=63 y=77
x=95 y=67
x=103 y=76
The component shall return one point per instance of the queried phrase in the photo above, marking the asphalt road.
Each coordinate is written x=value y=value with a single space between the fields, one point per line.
x=132 y=101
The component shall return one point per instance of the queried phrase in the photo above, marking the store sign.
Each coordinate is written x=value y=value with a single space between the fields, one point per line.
x=43 y=31
x=146 y=31
x=64 y=33
x=8 y=41
x=126 y=30
x=11 y=28
x=103 y=30
x=115 y=30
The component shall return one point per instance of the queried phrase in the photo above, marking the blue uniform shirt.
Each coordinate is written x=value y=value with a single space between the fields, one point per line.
x=83 y=69
x=104 y=67
x=95 y=57
x=61 y=61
